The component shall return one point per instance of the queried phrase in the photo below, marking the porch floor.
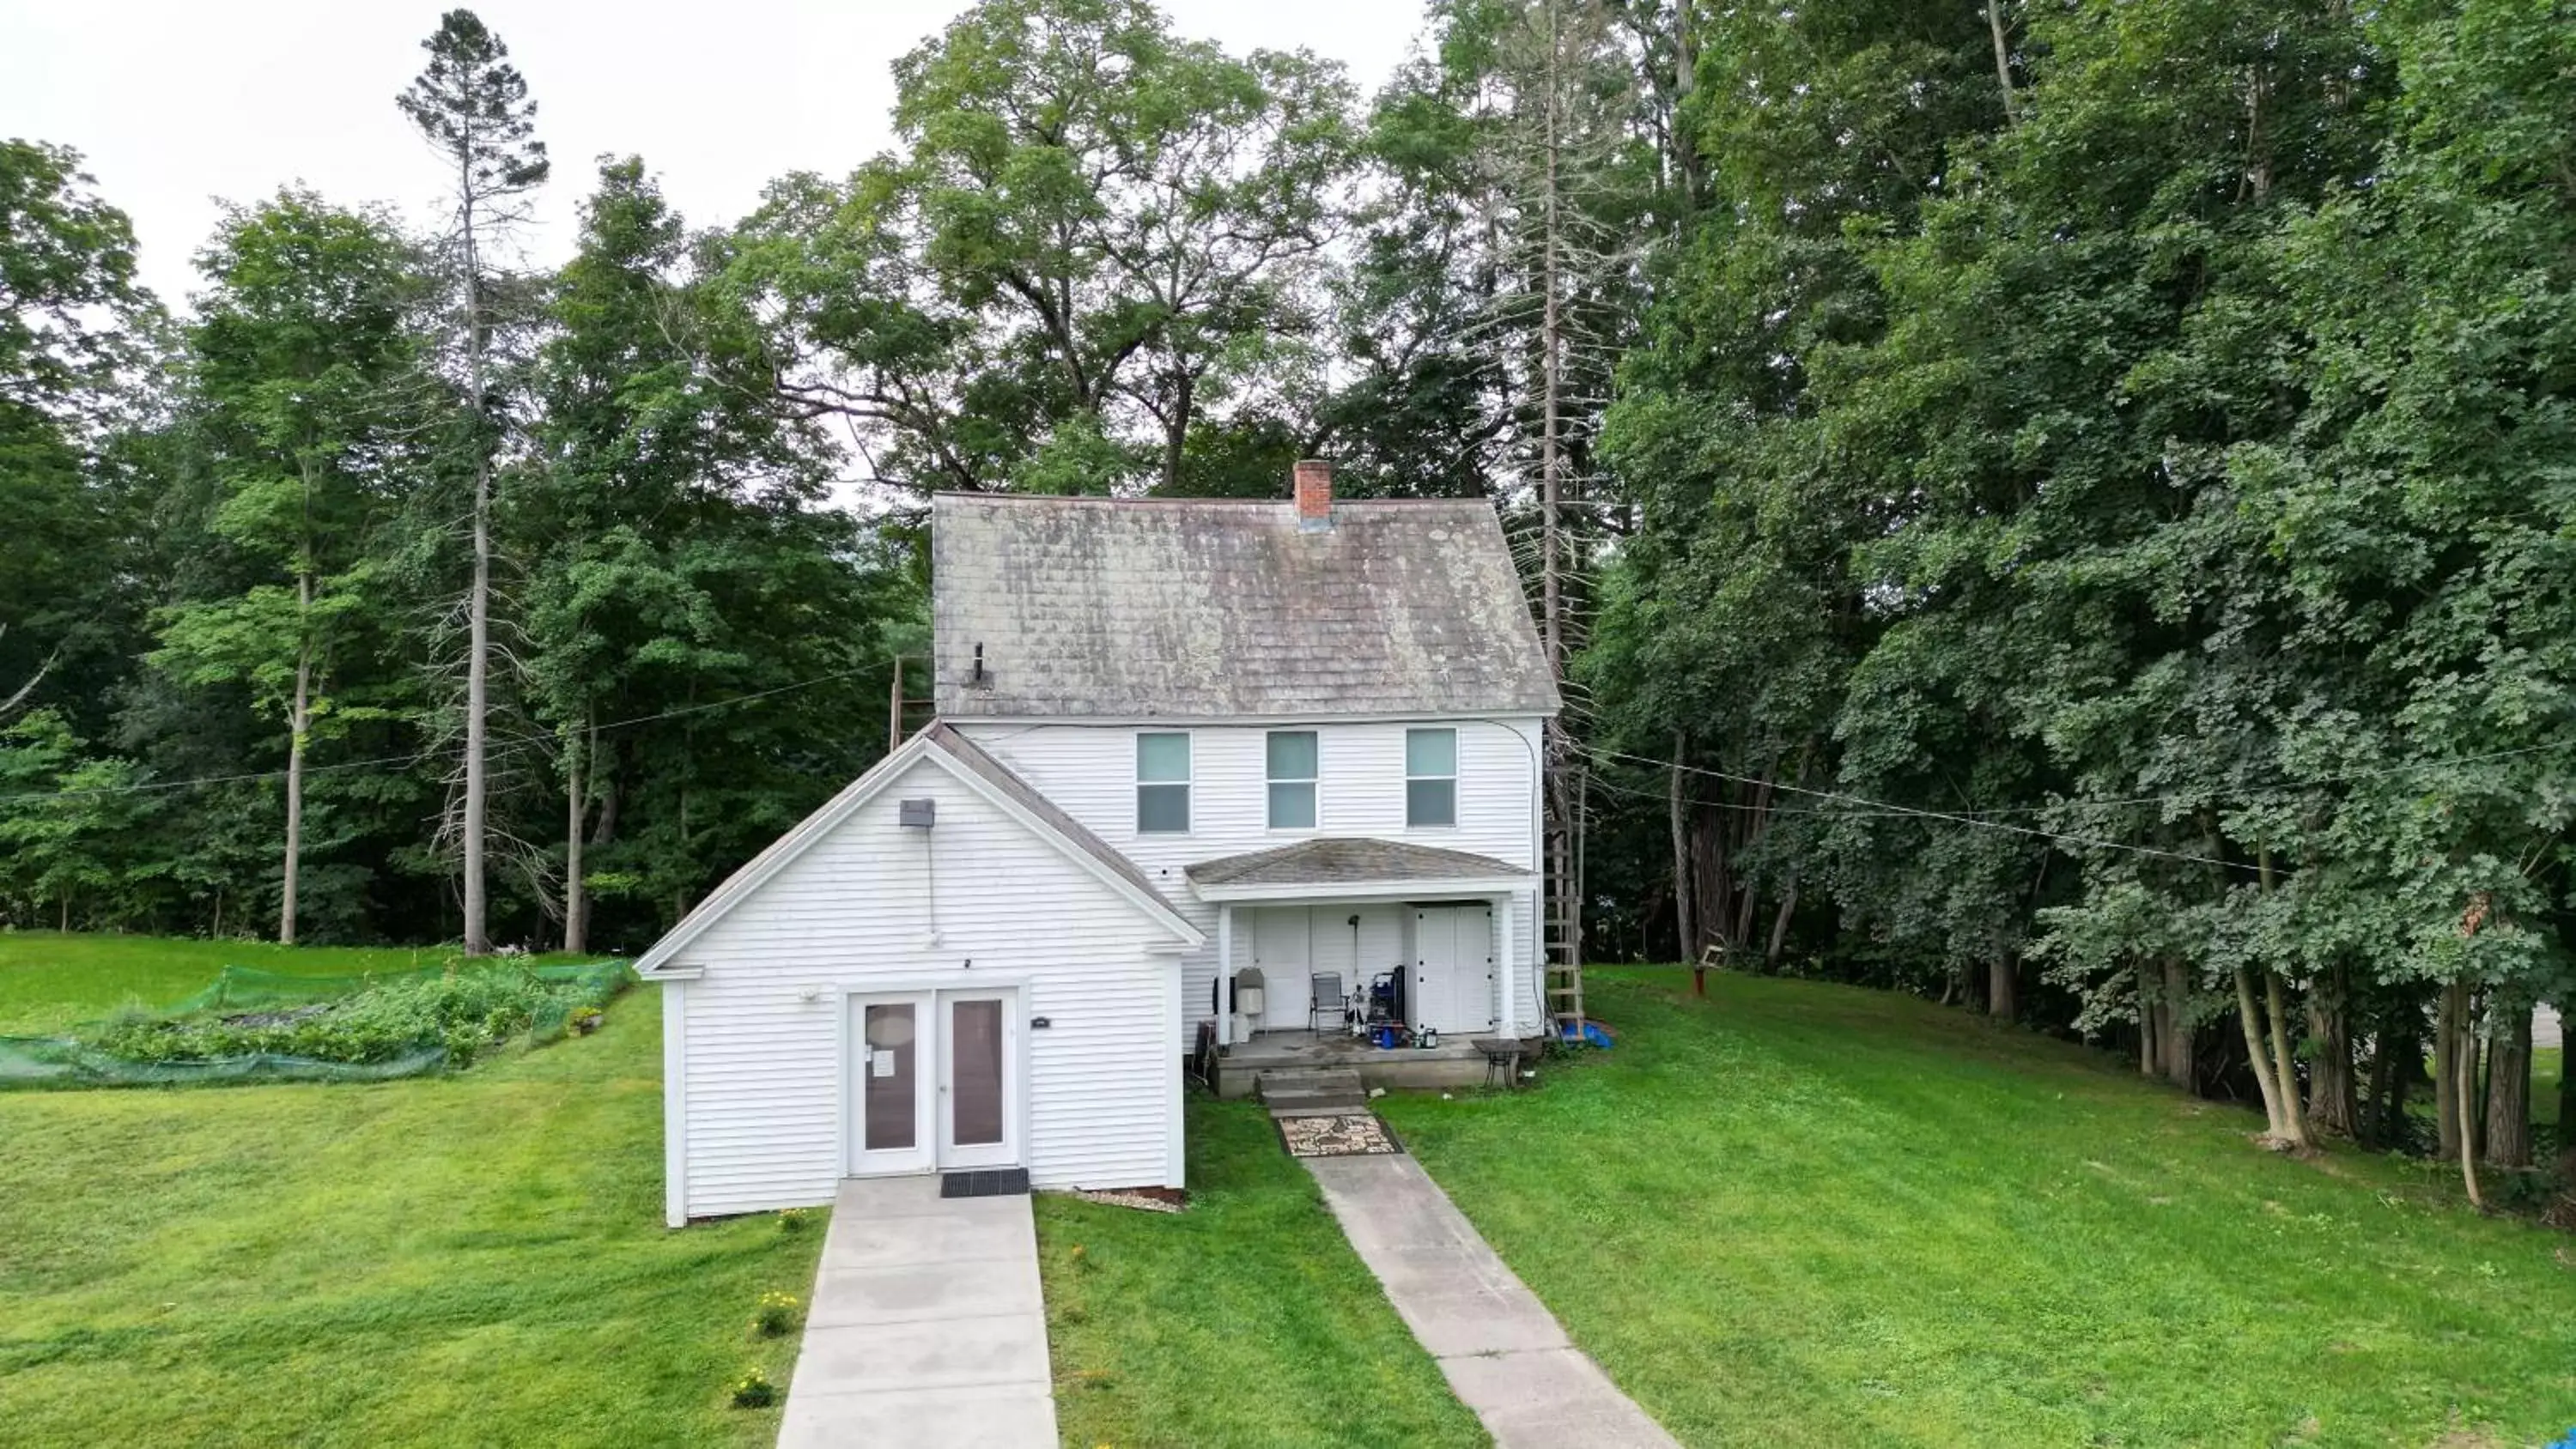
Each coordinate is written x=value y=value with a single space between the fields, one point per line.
x=1456 y=1062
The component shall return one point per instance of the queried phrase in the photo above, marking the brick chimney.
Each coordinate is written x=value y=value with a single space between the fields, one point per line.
x=1314 y=494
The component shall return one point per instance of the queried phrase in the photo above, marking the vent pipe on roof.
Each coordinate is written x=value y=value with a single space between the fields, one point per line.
x=1314 y=478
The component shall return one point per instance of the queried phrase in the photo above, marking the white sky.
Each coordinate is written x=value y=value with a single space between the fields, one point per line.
x=174 y=105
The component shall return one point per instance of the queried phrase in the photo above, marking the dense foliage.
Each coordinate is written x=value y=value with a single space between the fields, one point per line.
x=2057 y=507
x=462 y=1012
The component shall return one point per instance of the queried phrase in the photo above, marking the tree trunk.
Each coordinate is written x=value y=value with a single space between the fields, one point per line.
x=2446 y=1076
x=299 y=724
x=2003 y=985
x=2459 y=1007
x=575 y=902
x=2331 y=1104
x=478 y=663
x=2148 y=1060
x=1685 y=920
x=2003 y=52
x=2508 y=1134
x=1780 y=924
x=2257 y=1054
x=2285 y=1061
x=2180 y=1056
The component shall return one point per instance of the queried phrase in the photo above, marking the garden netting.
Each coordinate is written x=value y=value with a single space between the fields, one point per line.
x=244 y=1003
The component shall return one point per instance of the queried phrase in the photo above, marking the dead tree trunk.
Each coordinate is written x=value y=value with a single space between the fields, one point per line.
x=576 y=898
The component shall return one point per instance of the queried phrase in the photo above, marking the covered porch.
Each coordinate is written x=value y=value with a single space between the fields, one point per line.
x=1386 y=959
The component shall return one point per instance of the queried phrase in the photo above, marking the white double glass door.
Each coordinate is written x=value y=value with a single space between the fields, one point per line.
x=934 y=1081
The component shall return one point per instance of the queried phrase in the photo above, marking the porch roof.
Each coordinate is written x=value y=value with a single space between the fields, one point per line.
x=1342 y=867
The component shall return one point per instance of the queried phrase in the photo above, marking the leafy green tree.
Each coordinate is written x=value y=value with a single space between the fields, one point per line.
x=1092 y=228
x=306 y=392
x=70 y=323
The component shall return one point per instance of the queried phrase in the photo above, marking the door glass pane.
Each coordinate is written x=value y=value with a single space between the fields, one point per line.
x=975 y=1061
x=1292 y=806
x=1431 y=752
x=889 y=1067
x=1162 y=757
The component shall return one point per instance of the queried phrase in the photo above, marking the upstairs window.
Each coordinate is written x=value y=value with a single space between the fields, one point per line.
x=1430 y=778
x=1292 y=779
x=1162 y=784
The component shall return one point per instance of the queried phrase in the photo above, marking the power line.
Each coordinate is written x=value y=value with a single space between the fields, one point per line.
x=418 y=757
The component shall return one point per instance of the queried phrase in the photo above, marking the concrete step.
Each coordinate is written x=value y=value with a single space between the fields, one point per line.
x=1270 y=1082
x=1314 y=1104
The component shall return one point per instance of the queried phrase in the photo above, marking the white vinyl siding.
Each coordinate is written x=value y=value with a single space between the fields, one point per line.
x=1087 y=770
x=1292 y=779
x=980 y=897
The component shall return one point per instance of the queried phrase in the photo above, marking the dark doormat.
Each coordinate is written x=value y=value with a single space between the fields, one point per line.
x=985 y=1182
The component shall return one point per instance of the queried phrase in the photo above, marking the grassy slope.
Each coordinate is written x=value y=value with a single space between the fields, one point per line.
x=476 y=1260
x=1245 y=1321
x=49 y=981
x=1805 y=1215
x=2546 y=1064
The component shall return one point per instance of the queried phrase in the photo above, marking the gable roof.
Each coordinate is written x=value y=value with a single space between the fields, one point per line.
x=981 y=773
x=1347 y=862
x=1216 y=609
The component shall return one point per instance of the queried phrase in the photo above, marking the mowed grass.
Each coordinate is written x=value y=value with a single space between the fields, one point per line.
x=1794 y=1214
x=2548 y=1064
x=1246 y=1320
x=49 y=981
x=467 y=1260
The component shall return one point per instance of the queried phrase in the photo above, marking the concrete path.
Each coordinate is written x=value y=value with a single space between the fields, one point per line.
x=1505 y=1354
x=2545 y=1028
x=926 y=1328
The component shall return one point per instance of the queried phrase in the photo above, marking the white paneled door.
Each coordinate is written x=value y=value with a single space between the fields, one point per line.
x=934 y=1081
x=1453 y=967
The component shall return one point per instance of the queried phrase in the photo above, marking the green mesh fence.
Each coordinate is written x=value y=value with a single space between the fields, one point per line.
x=244 y=1003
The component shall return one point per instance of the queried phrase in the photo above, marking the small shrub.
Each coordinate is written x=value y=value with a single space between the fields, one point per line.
x=792 y=1221
x=753 y=1390
x=463 y=1012
x=775 y=1314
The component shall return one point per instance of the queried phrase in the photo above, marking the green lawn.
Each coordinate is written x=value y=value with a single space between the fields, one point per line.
x=49 y=981
x=1247 y=1320
x=468 y=1260
x=1796 y=1214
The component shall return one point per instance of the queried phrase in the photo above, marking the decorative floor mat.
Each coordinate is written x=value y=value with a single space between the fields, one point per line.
x=1357 y=1135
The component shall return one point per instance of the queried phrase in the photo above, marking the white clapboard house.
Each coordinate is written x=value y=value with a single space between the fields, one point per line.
x=1181 y=747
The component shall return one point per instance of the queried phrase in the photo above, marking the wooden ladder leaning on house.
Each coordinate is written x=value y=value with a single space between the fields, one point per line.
x=1561 y=979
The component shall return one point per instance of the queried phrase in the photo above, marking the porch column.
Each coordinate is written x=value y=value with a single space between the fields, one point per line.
x=1224 y=973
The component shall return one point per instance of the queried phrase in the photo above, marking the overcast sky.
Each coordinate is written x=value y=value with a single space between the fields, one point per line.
x=175 y=105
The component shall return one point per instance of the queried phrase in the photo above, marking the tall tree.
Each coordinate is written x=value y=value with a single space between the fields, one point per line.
x=472 y=105
x=307 y=391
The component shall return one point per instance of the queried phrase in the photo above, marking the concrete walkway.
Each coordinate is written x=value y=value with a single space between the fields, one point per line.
x=926 y=1328
x=1505 y=1354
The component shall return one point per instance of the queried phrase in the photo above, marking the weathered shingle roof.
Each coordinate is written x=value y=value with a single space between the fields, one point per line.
x=1153 y=608
x=1347 y=861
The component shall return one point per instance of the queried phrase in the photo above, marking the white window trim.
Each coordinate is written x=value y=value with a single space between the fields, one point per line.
x=1457 y=762
x=1137 y=782
x=1267 y=780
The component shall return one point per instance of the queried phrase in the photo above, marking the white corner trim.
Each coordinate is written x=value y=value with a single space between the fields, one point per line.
x=675 y=1104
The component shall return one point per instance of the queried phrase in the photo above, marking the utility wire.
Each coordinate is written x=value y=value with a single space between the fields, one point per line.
x=504 y=748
